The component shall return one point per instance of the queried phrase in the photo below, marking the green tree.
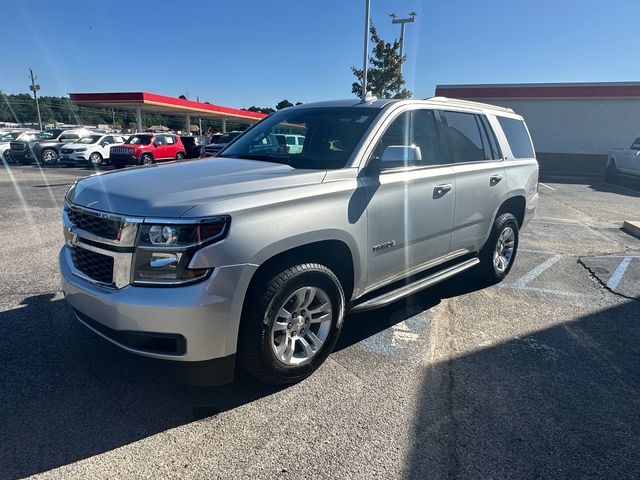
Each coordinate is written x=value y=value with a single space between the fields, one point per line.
x=265 y=110
x=384 y=79
x=283 y=104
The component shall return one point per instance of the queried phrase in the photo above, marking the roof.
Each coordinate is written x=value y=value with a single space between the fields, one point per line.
x=161 y=104
x=353 y=102
x=541 y=90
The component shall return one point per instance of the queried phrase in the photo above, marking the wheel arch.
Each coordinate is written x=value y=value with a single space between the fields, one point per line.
x=516 y=205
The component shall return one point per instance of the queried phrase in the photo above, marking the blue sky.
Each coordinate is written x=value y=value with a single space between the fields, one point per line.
x=242 y=53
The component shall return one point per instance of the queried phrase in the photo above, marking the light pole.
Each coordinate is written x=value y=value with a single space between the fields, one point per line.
x=402 y=22
x=365 y=62
x=34 y=88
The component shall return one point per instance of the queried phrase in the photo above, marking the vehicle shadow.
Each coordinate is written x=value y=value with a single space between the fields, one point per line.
x=562 y=402
x=68 y=395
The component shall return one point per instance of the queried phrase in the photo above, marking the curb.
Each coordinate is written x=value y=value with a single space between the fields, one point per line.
x=632 y=227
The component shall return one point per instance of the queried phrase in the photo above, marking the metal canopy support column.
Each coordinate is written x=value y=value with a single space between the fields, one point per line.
x=139 y=126
x=188 y=124
x=224 y=124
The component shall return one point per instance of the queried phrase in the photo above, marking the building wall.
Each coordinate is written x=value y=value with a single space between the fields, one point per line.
x=577 y=126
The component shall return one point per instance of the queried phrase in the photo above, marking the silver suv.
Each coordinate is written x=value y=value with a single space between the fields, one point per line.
x=257 y=254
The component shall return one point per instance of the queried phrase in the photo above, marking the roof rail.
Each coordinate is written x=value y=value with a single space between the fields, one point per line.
x=469 y=103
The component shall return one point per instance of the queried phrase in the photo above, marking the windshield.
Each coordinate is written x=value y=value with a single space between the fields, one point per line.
x=90 y=139
x=226 y=138
x=139 y=140
x=48 y=134
x=327 y=136
x=7 y=137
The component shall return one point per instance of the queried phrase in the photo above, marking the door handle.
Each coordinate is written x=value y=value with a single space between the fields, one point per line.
x=441 y=190
x=494 y=180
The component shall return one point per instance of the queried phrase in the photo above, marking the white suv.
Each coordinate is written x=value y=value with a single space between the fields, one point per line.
x=91 y=150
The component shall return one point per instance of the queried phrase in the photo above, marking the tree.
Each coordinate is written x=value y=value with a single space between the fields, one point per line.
x=384 y=79
x=265 y=110
x=283 y=104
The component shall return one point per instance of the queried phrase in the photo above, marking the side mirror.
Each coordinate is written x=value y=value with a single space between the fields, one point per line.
x=406 y=154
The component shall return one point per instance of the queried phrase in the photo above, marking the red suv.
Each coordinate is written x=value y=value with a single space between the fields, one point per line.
x=147 y=148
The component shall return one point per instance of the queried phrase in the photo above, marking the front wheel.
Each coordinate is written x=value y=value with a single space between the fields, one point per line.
x=498 y=254
x=611 y=175
x=146 y=159
x=95 y=159
x=291 y=323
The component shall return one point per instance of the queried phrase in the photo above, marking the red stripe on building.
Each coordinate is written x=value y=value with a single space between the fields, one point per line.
x=539 y=91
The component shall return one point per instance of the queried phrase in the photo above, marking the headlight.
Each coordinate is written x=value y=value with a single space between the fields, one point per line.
x=164 y=251
x=83 y=149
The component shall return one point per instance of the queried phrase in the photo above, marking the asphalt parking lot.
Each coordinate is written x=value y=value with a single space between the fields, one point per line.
x=534 y=378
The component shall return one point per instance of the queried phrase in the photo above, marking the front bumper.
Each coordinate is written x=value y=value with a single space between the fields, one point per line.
x=74 y=158
x=203 y=319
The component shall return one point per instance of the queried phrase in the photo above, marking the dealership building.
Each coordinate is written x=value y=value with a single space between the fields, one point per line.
x=573 y=125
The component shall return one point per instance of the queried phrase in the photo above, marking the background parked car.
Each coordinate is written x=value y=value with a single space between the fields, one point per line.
x=91 y=150
x=623 y=161
x=147 y=148
x=45 y=146
x=193 y=145
x=6 y=137
x=218 y=144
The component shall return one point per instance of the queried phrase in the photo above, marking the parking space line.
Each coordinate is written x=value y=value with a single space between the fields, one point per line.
x=522 y=281
x=554 y=292
x=615 y=279
x=545 y=185
x=533 y=250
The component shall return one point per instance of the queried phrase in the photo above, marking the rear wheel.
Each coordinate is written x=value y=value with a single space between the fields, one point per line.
x=290 y=323
x=498 y=254
x=49 y=157
x=180 y=156
x=612 y=175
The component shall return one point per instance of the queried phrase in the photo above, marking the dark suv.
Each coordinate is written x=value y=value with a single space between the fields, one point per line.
x=147 y=148
x=44 y=147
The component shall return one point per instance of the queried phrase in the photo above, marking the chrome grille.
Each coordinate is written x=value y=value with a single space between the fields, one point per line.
x=17 y=146
x=94 y=265
x=66 y=150
x=95 y=224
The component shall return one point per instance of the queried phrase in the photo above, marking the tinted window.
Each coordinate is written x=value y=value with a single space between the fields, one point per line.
x=418 y=128
x=331 y=133
x=494 y=151
x=159 y=140
x=464 y=137
x=290 y=140
x=517 y=136
x=139 y=140
x=69 y=136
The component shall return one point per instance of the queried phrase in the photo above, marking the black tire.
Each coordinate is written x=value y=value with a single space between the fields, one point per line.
x=255 y=346
x=49 y=157
x=180 y=156
x=146 y=159
x=488 y=270
x=95 y=160
x=612 y=174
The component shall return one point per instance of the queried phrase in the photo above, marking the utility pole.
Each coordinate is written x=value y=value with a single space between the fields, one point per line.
x=113 y=119
x=34 y=88
x=402 y=22
x=365 y=62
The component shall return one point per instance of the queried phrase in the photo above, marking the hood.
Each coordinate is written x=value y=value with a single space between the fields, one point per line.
x=171 y=189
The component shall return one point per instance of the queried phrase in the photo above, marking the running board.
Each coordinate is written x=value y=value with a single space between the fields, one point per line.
x=406 y=290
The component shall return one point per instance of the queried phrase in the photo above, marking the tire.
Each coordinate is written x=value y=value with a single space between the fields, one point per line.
x=95 y=160
x=180 y=156
x=146 y=159
x=612 y=174
x=499 y=253
x=6 y=156
x=49 y=157
x=267 y=328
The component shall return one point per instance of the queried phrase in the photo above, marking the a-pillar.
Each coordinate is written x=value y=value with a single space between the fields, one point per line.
x=139 y=126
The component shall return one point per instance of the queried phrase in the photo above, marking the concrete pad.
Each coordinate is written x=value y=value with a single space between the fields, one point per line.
x=619 y=273
x=632 y=227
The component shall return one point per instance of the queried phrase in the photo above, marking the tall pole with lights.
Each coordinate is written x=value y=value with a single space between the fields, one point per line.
x=402 y=22
x=365 y=63
x=34 y=88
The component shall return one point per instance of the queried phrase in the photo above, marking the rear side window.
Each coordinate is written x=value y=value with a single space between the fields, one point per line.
x=465 y=137
x=517 y=136
x=170 y=140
